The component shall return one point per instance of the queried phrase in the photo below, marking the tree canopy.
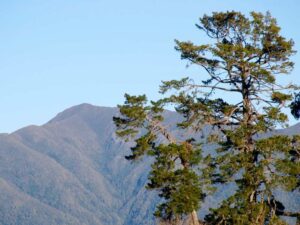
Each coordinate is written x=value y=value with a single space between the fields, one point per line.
x=239 y=97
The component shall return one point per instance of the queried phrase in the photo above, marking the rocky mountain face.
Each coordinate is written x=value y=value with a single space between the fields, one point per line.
x=72 y=170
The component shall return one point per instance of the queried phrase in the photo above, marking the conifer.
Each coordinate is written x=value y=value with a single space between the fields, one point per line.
x=239 y=97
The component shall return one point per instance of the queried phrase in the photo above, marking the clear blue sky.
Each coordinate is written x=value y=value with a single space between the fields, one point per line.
x=58 y=53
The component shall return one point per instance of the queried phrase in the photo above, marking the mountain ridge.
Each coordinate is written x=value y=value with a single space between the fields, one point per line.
x=76 y=148
x=72 y=170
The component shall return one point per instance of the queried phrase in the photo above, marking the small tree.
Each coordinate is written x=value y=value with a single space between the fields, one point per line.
x=240 y=98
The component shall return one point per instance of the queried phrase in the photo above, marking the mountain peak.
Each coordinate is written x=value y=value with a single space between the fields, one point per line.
x=83 y=110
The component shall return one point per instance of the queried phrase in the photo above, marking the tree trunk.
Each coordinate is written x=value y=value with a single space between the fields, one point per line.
x=195 y=220
x=192 y=219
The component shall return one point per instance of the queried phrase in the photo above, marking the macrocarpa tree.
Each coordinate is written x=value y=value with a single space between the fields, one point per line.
x=240 y=99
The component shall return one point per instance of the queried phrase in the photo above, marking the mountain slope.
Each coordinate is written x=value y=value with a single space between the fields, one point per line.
x=74 y=166
x=72 y=171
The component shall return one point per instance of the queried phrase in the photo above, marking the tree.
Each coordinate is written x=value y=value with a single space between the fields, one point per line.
x=241 y=99
x=176 y=170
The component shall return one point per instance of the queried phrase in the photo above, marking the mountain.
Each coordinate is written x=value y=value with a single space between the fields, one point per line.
x=72 y=170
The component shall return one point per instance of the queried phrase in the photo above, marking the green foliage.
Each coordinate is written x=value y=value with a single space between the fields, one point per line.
x=242 y=63
x=134 y=115
x=279 y=97
x=178 y=164
x=245 y=58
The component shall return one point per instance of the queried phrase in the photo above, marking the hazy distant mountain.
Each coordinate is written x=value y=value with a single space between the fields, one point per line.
x=72 y=171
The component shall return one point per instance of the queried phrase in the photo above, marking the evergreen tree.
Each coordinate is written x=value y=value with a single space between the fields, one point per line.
x=240 y=98
x=178 y=170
